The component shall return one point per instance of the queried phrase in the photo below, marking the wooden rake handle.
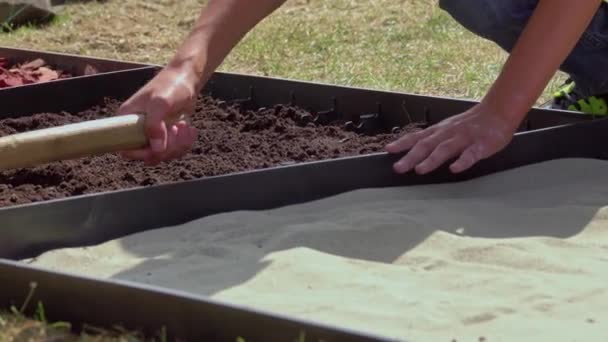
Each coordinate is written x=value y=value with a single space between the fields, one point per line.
x=72 y=141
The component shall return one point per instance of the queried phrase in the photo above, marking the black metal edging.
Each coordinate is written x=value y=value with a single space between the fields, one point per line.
x=105 y=303
x=396 y=108
x=92 y=218
x=392 y=108
x=88 y=300
x=65 y=60
x=388 y=108
x=47 y=222
x=73 y=95
x=91 y=90
x=71 y=63
x=30 y=229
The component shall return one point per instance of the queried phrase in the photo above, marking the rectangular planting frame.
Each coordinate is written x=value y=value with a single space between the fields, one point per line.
x=30 y=229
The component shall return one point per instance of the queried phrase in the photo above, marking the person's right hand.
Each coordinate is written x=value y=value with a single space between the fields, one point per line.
x=170 y=94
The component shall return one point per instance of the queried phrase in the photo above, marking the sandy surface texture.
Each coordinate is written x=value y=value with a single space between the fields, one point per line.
x=519 y=255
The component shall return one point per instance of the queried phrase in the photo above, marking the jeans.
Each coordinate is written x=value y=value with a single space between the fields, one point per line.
x=502 y=22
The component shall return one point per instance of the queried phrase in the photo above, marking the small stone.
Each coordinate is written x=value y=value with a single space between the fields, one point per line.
x=147 y=181
x=184 y=175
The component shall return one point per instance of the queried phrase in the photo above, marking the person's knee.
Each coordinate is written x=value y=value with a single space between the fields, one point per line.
x=472 y=14
x=485 y=16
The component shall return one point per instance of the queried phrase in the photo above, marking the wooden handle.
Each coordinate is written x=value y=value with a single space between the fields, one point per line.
x=73 y=141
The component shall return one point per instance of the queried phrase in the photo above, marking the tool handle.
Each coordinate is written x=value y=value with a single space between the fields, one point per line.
x=73 y=141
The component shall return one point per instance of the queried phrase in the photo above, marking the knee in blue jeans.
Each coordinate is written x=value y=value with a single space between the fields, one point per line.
x=490 y=19
x=475 y=15
x=502 y=22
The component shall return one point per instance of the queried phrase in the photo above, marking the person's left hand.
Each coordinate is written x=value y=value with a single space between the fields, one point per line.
x=471 y=136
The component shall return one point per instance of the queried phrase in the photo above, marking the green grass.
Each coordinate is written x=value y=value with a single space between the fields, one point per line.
x=400 y=45
x=15 y=325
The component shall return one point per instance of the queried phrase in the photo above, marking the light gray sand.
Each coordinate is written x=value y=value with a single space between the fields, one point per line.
x=520 y=255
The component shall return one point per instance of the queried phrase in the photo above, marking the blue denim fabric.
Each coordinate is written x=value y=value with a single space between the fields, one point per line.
x=502 y=21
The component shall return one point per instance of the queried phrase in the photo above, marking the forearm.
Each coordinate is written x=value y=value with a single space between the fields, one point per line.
x=550 y=35
x=219 y=27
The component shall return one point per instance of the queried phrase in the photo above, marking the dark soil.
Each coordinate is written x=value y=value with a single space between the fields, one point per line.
x=231 y=139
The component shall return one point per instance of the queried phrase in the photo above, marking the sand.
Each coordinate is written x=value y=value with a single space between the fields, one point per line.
x=515 y=256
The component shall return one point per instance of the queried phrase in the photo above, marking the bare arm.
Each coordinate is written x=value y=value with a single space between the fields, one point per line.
x=219 y=27
x=551 y=33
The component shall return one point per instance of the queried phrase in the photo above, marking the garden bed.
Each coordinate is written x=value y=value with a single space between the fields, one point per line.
x=231 y=139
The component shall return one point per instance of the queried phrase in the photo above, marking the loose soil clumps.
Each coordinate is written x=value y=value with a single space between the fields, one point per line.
x=231 y=139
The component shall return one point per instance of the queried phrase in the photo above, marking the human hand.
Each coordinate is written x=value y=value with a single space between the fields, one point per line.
x=471 y=136
x=169 y=95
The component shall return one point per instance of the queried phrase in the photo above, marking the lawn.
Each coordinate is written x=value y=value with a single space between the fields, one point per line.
x=399 y=45
x=16 y=327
